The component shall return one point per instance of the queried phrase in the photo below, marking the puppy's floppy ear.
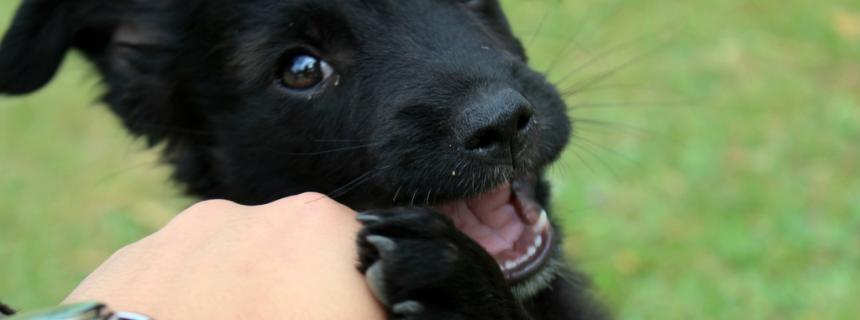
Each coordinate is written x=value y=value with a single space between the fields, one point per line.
x=39 y=37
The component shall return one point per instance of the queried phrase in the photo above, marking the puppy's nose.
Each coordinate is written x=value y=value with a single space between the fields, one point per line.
x=494 y=126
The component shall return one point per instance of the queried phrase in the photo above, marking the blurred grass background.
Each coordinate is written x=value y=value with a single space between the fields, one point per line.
x=714 y=174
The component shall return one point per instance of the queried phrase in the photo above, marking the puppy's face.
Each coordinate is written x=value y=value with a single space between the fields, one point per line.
x=376 y=103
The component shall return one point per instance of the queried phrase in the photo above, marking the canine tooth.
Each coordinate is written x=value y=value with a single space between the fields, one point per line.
x=510 y=264
x=538 y=241
x=543 y=221
x=532 y=250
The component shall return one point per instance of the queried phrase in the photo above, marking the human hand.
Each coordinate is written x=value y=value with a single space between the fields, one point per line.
x=291 y=259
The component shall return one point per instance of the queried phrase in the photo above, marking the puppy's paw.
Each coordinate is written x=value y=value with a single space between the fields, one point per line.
x=421 y=267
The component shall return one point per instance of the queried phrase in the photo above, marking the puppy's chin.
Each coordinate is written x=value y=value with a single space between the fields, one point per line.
x=540 y=280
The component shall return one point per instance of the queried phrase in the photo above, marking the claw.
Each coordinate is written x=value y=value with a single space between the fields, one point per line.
x=383 y=244
x=367 y=218
x=376 y=281
x=408 y=308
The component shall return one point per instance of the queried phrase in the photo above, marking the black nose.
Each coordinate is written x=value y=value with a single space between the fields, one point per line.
x=494 y=126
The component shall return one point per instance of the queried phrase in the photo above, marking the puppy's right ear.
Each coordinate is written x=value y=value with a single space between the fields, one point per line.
x=37 y=41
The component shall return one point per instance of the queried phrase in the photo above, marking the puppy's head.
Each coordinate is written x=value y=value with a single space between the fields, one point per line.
x=377 y=103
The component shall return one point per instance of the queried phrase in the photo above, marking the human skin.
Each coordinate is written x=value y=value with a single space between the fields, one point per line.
x=291 y=259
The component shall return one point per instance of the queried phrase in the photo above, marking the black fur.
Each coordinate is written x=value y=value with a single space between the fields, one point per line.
x=6 y=310
x=433 y=264
x=385 y=131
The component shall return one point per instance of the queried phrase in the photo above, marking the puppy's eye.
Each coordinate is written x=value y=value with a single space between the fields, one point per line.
x=304 y=71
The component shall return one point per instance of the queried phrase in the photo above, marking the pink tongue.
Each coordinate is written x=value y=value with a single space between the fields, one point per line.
x=490 y=219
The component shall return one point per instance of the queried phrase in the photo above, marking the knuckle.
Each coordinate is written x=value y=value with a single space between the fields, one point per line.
x=206 y=210
x=310 y=208
x=206 y=206
x=302 y=201
x=312 y=197
x=128 y=248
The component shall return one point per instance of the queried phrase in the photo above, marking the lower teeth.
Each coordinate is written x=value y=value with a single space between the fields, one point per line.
x=538 y=229
x=530 y=252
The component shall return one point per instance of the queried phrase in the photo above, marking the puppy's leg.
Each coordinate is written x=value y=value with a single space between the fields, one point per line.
x=421 y=267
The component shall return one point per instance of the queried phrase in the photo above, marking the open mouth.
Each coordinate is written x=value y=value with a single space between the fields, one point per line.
x=509 y=224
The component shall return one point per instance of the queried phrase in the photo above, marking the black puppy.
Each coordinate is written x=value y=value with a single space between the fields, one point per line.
x=422 y=113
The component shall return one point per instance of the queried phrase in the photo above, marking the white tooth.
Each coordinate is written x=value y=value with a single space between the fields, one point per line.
x=522 y=259
x=510 y=264
x=538 y=241
x=532 y=251
x=543 y=221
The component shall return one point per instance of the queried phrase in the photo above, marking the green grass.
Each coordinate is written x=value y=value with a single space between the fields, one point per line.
x=726 y=185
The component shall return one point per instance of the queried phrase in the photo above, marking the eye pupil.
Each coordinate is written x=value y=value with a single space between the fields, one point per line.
x=304 y=71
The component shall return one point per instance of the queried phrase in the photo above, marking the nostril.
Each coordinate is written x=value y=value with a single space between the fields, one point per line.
x=524 y=119
x=496 y=126
x=483 y=139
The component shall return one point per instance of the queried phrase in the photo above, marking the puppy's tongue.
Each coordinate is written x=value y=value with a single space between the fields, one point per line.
x=491 y=219
x=503 y=219
x=509 y=224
